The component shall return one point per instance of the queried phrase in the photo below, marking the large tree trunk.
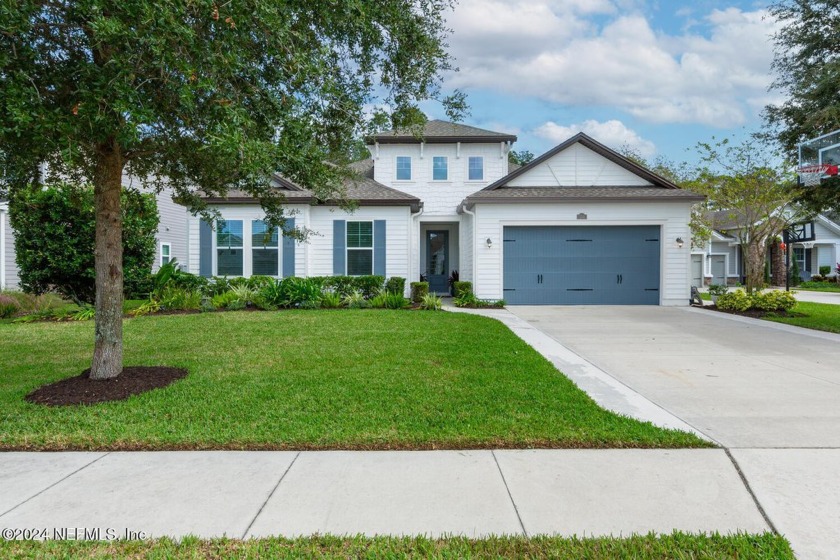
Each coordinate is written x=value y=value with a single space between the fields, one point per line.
x=756 y=254
x=108 y=253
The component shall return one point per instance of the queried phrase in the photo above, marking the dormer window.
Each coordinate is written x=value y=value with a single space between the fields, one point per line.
x=403 y=168
x=476 y=168
x=440 y=168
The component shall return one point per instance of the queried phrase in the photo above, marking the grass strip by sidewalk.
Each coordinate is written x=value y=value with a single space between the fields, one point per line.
x=674 y=546
x=819 y=316
x=348 y=379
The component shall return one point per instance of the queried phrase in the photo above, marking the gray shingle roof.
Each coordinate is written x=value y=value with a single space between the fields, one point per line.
x=565 y=194
x=361 y=189
x=437 y=131
x=727 y=219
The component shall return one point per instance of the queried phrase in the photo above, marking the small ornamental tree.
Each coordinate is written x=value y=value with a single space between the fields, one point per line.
x=54 y=235
x=742 y=180
x=202 y=95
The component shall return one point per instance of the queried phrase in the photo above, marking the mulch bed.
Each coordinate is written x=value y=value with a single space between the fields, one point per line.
x=756 y=313
x=83 y=390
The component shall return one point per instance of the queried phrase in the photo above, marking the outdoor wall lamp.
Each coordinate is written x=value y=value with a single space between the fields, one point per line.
x=489 y=243
x=680 y=242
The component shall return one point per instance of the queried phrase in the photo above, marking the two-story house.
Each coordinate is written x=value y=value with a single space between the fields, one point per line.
x=580 y=224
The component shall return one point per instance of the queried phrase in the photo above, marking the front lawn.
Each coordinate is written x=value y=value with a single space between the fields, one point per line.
x=647 y=547
x=350 y=379
x=819 y=287
x=819 y=316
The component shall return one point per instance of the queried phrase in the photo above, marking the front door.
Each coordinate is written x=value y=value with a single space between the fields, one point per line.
x=437 y=261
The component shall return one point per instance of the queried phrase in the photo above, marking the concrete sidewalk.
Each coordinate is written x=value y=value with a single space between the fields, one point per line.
x=472 y=493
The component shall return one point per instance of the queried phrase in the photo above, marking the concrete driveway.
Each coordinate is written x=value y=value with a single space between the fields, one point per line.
x=768 y=393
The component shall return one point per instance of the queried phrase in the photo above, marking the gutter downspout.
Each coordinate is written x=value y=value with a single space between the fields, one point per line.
x=411 y=218
x=474 y=250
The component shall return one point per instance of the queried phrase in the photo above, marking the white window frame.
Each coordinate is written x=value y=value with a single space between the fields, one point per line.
x=397 y=170
x=169 y=256
x=483 y=170
x=445 y=159
x=347 y=247
x=245 y=248
x=278 y=272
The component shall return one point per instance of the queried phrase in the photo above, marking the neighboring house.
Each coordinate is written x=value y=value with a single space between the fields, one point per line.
x=579 y=225
x=721 y=260
x=171 y=239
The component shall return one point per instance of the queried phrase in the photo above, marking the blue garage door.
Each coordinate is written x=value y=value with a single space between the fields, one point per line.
x=581 y=265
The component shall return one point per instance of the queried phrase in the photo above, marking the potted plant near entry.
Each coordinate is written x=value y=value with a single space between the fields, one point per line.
x=716 y=290
x=453 y=277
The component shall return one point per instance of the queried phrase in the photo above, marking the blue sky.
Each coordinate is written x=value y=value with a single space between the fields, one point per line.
x=657 y=75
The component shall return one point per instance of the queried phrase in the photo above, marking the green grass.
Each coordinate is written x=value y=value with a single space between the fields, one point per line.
x=819 y=287
x=819 y=316
x=349 y=379
x=673 y=546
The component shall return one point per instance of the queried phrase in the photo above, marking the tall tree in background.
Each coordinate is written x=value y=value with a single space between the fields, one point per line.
x=807 y=66
x=201 y=93
x=744 y=181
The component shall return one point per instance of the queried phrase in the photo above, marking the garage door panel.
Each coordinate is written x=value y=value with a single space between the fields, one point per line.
x=581 y=265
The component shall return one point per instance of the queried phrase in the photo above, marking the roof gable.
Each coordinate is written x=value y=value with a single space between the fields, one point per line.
x=581 y=161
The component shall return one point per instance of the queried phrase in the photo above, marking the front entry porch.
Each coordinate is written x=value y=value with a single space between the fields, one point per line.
x=438 y=254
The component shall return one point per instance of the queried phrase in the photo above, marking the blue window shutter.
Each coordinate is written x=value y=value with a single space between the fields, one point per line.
x=289 y=250
x=379 y=247
x=205 y=249
x=339 y=247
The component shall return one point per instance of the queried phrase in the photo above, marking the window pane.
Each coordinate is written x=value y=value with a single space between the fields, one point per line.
x=229 y=262
x=403 y=168
x=265 y=262
x=259 y=237
x=360 y=234
x=164 y=260
x=359 y=262
x=229 y=233
x=164 y=250
x=440 y=168
x=476 y=172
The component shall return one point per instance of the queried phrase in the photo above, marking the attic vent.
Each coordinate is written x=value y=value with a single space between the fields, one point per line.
x=581 y=216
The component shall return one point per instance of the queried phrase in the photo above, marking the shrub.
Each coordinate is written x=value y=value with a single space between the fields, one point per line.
x=467 y=299
x=257 y=282
x=369 y=285
x=54 y=238
x=269 y=297
x=227 y=300
x=330 y=300
x=177 y=299
x=734 y=301
x=795 y=278
x=395 y=285
x=395 y=301
x=419 y=290
x=8 y=306
x=342 y=285
x=356 y=300
x=459 y=288
x=431 y=302
x=85 y=313
x=244 y=293
x=773 y=301
x=377 y=301
x=717 y=289
x=300 y=292
x=825 y=270
x=217 y=285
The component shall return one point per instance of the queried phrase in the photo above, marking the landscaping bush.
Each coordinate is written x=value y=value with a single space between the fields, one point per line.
x=330 y=300
x=825 y=270
x=342 y=285
x=419 y=290
x=8 y=306
x=369 y=285
x=795 y=278
x=431 y=302
x=54 y=238
x=227 y=300
x=395 y=285
x=734 y=301
x=356 y=300
x=244 y=293
x=300 y=292
x=269 y=297
x=717 y=289
x=773 y=301
x=460 y=288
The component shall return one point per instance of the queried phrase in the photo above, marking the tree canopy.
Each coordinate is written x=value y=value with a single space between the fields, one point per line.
x=807 y=67
x=203 y=94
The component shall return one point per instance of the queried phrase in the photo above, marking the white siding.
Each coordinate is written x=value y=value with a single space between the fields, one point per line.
x=440 y=198
x=320 y=244
x=10 y=280
x=172 y=228
x=577 y=166
x=671 y=216
x=467 y=250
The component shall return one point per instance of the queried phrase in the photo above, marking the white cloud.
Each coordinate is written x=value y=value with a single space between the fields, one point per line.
x=558 y=53
x=613 y=133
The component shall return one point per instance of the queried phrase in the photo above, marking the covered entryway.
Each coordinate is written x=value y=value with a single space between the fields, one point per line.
x=573 y=265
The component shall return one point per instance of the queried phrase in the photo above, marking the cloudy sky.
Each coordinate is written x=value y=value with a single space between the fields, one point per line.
x=658 y=75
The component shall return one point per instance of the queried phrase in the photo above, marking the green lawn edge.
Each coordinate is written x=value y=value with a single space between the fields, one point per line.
x=677 y=545
x=319 y=380
x=811 y=315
